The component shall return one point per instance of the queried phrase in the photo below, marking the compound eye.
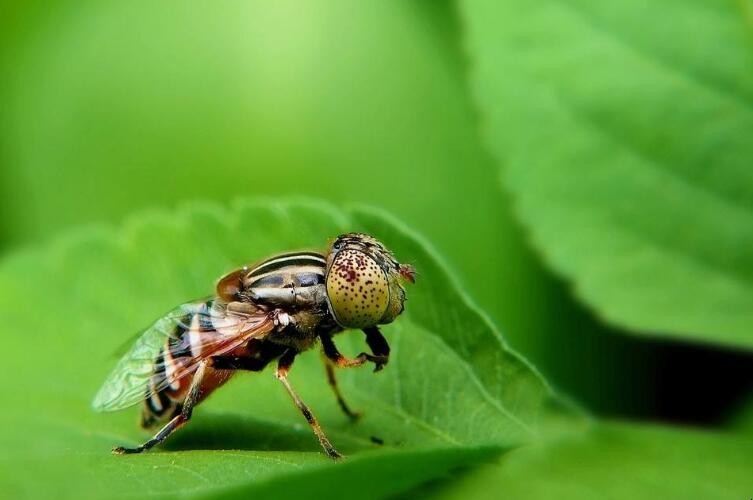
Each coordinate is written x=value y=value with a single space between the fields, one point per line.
x=357 y=289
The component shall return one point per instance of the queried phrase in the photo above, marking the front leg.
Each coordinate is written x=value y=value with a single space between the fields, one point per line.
x=378 y=345
x=330 y=350
x=333 y=357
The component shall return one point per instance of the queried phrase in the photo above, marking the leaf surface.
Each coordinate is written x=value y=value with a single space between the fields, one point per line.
x=451 y=384
x=615 y=461
x=626 y=144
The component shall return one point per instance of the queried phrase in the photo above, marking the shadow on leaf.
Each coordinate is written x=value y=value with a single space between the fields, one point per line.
x=227 y=431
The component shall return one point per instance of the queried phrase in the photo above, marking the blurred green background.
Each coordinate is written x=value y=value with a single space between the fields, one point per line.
x=109 y=108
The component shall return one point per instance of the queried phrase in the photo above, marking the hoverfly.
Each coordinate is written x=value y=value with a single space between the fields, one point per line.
x=273 y=310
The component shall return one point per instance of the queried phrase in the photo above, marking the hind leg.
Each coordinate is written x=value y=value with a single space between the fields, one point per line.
x=178 y=421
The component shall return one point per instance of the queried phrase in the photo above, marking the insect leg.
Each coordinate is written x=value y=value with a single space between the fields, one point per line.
x=178 y=421
x=332 y=380
x=283 y=367
x=330 y=350
x=379 y=347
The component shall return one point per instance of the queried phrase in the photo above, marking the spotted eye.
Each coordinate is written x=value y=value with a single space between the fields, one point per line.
x=357 y=289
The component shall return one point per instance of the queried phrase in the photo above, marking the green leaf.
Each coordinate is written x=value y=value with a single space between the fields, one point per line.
x=615 y=461
x=626 y=143
x=452 y=383
x=369 y=476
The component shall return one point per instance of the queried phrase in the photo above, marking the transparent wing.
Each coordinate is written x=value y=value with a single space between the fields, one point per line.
x=192 y=333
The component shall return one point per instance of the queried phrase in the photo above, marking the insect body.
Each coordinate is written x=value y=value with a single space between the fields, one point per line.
x=272 y=311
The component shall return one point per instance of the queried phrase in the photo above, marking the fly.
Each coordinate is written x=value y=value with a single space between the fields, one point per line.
x=272 y=311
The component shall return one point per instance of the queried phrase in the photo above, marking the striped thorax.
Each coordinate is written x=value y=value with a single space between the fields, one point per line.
x=292 y=279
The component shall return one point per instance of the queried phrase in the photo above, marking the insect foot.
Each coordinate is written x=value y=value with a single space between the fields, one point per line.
x=120 y=450
x=379 y=361
x=354 y=416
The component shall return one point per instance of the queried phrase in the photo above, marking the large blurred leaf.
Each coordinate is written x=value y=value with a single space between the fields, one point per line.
x=616 y=461
x=626 y=141
x=452 y=383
